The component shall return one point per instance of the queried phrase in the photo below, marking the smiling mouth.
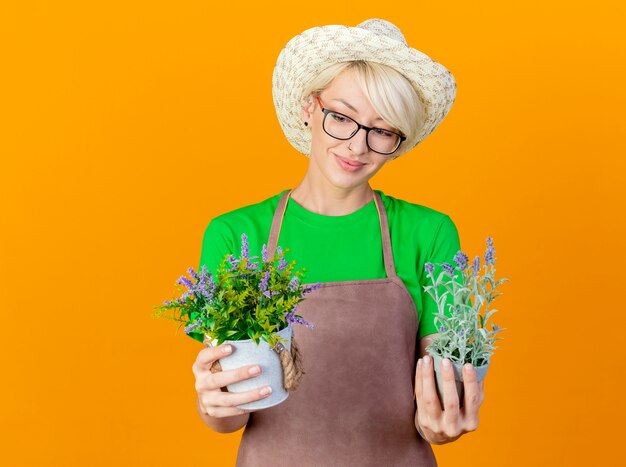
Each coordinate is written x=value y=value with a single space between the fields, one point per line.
x=349 y=162
x=348 y=166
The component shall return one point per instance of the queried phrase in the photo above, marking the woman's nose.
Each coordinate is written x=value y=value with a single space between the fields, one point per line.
x=358 y=143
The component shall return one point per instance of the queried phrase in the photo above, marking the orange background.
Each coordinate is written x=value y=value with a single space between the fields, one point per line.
x=113 y=119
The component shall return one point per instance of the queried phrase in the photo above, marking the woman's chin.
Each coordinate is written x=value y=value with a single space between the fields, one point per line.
x=347 y=181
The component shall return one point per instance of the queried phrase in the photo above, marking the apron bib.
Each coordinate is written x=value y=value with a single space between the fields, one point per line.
x=354 y=405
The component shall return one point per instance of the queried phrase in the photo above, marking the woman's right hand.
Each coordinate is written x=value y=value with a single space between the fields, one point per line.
x=214 y=401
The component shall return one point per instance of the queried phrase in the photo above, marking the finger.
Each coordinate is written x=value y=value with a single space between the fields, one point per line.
x=224 y=378
x=430 y=399
x=473 y=397
x=224 y=404
x=450 y=394
x=208 y=355
x=220 y=411
x=481 y=385
x=238 y=398
x=417 y=390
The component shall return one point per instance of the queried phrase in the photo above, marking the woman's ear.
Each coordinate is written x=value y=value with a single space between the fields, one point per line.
x=308 y=105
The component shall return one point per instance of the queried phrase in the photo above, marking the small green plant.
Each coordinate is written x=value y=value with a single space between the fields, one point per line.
x=463 y=334
x=246 y=299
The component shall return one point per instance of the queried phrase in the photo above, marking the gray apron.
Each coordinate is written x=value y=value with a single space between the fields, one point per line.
x=354 y=406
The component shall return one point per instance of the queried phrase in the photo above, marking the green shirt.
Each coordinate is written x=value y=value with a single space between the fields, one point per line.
x=348 y=247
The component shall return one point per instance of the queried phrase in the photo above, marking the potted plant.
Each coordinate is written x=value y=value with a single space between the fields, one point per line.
x=463 y=335
x=251 y=305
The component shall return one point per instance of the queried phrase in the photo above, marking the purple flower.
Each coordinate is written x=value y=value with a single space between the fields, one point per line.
x=183 y=299
x=186 y=282
x=496 y=328
x=461 y=260
x=192 y=273
x=167 y=302
x=192 y=326
x=429 y=267
x=245 y=252
x=200 y=288
x=282 y=264
x=476 y=265
x=293 y=284
x=265 y=281
x=252 y=265
x=490 y=253
x=270 y=293
x=292 y=318
x=208 y=294
x=312 y=287
x=300 y=320
x=442 y=329
x=233 y=262
x=448 y=268
x=264 y=253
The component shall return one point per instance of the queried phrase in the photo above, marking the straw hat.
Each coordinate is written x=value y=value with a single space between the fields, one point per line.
x=375 y=40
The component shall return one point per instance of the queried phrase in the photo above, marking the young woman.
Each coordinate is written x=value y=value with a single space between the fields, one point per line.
x=351 y=99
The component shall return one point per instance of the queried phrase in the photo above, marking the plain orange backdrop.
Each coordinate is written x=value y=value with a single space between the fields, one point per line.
x=126 y=126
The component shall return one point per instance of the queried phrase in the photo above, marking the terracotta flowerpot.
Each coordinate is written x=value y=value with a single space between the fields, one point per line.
x=481 y=372
x=247 y=352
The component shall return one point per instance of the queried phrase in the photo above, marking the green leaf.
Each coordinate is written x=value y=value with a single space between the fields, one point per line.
x=504 y=279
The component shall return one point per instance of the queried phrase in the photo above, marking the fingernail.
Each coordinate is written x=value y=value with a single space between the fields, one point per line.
x=266 y=391
x=227 y=349
x=254 y=370
x=426 y=360
x=468 y=366
x=419 y=363
x=446 y=363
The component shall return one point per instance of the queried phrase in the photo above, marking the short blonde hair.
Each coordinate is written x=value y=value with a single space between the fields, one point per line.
x=391 y=94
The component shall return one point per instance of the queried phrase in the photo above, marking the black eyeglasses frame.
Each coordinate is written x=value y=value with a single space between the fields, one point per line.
x=366 y=128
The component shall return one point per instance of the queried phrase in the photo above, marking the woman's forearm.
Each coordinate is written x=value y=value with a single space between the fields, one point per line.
x=223 y=424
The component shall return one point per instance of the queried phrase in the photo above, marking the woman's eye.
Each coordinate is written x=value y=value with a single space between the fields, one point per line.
x=384 y=133
x=339 y=118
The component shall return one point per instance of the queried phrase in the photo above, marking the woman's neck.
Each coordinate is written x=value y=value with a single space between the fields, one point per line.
x=329 y=200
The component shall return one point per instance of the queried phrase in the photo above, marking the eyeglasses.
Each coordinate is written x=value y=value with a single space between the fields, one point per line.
x=342 y=127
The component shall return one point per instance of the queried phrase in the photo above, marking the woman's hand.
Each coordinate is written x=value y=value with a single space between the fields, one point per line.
x=444 y=426
x=214 y=401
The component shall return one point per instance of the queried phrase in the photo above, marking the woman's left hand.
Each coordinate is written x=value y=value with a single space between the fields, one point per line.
x=439 y=426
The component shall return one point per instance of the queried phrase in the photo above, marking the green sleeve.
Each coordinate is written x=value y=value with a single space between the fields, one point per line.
x=217 y=242
x=445 y=246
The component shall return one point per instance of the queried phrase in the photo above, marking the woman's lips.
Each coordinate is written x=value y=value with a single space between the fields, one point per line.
x=348 y=165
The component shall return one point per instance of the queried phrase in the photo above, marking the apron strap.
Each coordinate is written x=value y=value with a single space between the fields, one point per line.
x=384 y=230
x=390 y=267
x=276 y=223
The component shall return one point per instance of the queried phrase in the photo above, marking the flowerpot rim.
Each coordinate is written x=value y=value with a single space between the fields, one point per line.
x=459 y=365
x=210 y=339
